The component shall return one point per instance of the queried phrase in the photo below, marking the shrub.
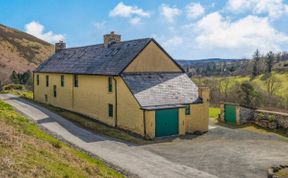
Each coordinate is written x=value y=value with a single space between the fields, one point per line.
x=57 y=144
x=13 y=87
x=271 y=118
x=260 y=116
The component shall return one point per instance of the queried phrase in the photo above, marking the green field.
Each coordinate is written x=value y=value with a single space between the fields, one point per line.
x=213 y=112
x=27 y=151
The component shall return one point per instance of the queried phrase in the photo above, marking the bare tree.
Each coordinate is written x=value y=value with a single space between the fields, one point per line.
x=224 y=86
x=269 y=61
x=273 y=84
x=256 y=58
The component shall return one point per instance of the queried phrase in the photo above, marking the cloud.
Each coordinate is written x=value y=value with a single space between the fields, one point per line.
x=36 y=29
x=169 y=13
x=123 y=10
x=194 y=10
x=100 y=25
x=274 y=8
x=135 y=21
x=173 y=42
x=251 y=32
x=134 y=13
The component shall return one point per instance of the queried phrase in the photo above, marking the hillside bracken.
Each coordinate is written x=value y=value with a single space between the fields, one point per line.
x=20 y=52
x=27 y=151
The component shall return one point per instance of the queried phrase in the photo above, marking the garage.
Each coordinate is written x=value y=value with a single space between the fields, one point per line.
x=166 y=122
x=230 y=113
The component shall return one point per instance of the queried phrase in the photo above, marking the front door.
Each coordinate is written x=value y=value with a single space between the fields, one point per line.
x=230 y=113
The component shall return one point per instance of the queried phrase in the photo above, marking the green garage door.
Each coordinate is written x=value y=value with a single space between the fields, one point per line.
x=230 y=113
x=166 y=122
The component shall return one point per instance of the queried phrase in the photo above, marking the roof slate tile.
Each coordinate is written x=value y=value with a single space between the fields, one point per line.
x=96 y=59
x=161 y=89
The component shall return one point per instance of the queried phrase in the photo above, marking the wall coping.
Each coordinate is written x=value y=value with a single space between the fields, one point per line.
x=272 y=112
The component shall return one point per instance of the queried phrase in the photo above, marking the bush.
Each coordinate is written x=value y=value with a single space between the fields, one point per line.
x=271 y=118
x=259 y=117
x=57 y=144
x=13 y=87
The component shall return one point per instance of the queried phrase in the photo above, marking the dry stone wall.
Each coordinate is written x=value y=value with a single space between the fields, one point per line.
x=264 y=118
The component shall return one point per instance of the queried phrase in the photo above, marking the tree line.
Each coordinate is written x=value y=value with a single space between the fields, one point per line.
x=226 y=88
x=259 y=64
x=25 y=78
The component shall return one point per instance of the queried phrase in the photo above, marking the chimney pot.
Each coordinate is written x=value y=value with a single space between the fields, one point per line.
x=60 y=45
x=111 y=38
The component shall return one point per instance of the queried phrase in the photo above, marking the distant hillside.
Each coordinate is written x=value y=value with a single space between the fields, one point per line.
x=20 y=52
x=183 y=62
x=225 y=67
x=217 y=66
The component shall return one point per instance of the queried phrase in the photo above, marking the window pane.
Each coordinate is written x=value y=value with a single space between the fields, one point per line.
x=62 y=80
x=110 y=84
x=54 y=91
x=110 y=110
x=75 y=80
x=38 y=81
x=187 y=109
x=47 y=80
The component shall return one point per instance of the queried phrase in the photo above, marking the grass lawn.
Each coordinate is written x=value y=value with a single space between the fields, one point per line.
x=213 y=113
x=27 y=151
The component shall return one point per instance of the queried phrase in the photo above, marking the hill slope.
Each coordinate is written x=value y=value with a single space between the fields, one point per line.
x=27 y=151
x=20 y=52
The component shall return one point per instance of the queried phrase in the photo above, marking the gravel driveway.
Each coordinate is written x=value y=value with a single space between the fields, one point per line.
x=227 y=153
x=222 y=152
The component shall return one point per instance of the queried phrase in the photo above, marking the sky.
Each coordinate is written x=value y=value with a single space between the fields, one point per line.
x=187 y=29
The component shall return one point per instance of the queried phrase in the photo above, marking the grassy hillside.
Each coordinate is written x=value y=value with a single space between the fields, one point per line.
x=20 y=52
x=26 y=151
x=260 y=82
x=229 y=89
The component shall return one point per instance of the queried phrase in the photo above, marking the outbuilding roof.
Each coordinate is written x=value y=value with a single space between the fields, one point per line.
x=161 y=90
x=95 y=59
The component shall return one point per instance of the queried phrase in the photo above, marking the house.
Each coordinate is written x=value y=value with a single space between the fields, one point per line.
x=133 y=85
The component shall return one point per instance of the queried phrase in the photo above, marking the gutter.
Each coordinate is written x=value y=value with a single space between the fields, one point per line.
x=116 y=102
x=144 y=123
x=33 y=86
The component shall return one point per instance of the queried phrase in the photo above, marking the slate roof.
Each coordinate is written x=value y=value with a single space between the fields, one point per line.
x=161 y=90
x=96 y=59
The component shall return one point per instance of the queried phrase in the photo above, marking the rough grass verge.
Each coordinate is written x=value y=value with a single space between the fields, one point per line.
x=283 y=173
x=85 y=121
x=214 y=112
x=27 y=151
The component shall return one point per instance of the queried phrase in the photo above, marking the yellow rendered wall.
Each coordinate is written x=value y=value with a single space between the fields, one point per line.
x=64 y=94
x=150 y=124
x=152 y=59
x=182 y=121
x=130 y=116
x=198 y=120
x=90 y=98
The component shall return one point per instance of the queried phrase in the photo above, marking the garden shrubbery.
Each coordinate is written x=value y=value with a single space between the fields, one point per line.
x=13 y=87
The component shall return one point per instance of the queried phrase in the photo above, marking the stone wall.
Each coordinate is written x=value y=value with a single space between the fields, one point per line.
x=270 y=119
x=246 y=114
x=264 y=118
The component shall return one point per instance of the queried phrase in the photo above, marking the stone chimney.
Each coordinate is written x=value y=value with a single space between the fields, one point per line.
x=204 y=93
x=111 y=38
x=60 y=45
